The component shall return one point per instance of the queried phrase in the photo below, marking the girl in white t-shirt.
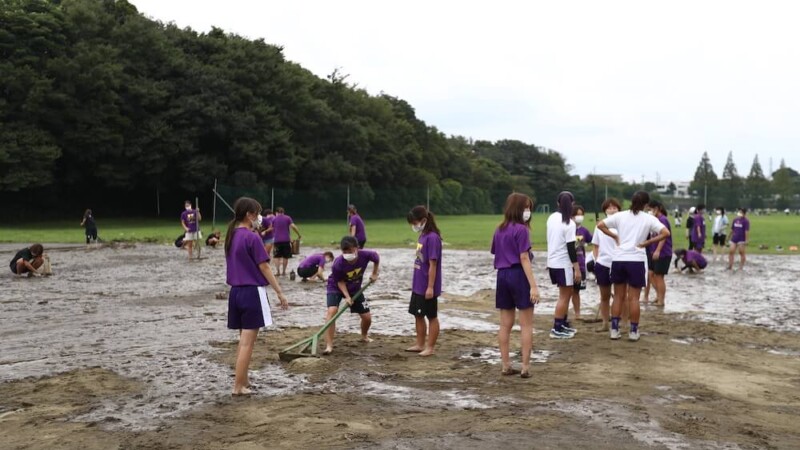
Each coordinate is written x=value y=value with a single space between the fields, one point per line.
x=629 y=261
x=562 y=262
x=603 y=250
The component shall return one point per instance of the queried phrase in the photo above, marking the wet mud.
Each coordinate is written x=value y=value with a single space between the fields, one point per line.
x=128 y=348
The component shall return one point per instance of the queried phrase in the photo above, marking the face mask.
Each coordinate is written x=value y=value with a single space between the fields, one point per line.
x=188 y=207
x=719 y=213
x=418 y=228
x=349 y=257
x=258 y=221
x=526 y=215
x=611 y=212
x=579 y=219
x=740 y=214
x=651 y=212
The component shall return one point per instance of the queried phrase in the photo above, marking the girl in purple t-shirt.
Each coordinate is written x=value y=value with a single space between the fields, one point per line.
x=426 y=283
x=740 y=235
x=583 y=237
x=248 y=274
x=661 y=254
x=516 y=287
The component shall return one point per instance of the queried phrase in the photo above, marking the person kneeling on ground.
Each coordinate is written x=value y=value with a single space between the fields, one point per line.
x=213 y=239
x=31 y=261
x=344 y=281
x=692 y=260
x=314 y=266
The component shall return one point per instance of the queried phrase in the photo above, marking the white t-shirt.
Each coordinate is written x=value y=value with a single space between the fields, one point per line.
x=632 y=229
x=605 y=246
x=720 y=224
x=558 y=235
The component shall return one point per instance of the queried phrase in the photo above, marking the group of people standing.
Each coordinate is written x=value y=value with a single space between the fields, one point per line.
x=693 y=257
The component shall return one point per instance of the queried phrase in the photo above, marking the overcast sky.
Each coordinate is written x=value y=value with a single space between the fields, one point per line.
x=637 y=88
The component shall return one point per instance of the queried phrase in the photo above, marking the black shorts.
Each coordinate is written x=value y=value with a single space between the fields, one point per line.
x=661 y=265
x=360 y=305
x=13 y=267
x=307 y=272
x=91 y=233
x=719 y=239
x=361 y=244
x=420 y=307
x=282 y=250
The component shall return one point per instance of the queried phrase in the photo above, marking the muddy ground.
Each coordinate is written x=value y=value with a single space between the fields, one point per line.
x=147 y=363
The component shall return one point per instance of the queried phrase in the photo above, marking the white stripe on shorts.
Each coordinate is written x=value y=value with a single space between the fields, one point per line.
x=262 y=296
x=569 y=274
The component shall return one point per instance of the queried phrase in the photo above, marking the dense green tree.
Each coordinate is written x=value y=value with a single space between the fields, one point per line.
x=704 y=184
x=756 y=186
x=731 y=185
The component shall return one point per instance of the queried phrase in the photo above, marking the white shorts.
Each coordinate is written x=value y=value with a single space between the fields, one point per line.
x=191 y=236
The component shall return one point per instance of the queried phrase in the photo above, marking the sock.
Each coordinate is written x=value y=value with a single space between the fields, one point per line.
x=558 y=324
x=615 y=323
x=634 y=327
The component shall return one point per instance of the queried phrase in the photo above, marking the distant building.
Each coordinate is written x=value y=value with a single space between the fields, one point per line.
x=612 y=178
x=681 y=188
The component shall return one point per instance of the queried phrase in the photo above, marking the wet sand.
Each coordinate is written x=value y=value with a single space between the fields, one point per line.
x=147 y=363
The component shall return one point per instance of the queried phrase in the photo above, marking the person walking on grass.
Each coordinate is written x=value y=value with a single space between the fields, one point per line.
x=248 y=274
x=516 y=287
x=282 y=224
x=189 y=219
x=603 y=248
x=426 y=282
x=345 y=281
x=90 y=227
x=314 y=266
x=628 y=271
x=740 y=236
x=562 y=262
x=357 y=228
x=583 y=237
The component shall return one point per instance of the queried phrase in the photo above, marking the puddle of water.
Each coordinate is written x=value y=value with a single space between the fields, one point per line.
x=491 y=356
x=688 y=340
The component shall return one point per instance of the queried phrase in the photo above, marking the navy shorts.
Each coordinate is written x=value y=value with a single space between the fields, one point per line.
x=562 y=277
x=631 y=273
x=603 y=274
x=360 y=305
x=282 y=250
x=419 y=306
x=248 y=308
x=512 y=289
x=661 y=265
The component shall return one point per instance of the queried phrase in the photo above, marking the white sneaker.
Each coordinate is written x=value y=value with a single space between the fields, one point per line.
x=615 y=334
x=633 y=336
x=560 y=334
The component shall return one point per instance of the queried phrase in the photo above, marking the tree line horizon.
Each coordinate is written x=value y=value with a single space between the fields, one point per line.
x=104 y=108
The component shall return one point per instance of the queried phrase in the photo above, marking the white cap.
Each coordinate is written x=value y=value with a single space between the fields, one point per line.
x=691 y=210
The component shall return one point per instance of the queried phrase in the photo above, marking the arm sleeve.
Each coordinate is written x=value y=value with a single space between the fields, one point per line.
x=573 y=253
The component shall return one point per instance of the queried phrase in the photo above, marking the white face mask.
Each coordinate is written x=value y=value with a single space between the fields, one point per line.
x=611 y=212
x=188 y=207
x=349 y=257
x=740 y=214
x=418 y=228
x=579 y=219
x=526 y=215
x=719 y=213
x=651 y=212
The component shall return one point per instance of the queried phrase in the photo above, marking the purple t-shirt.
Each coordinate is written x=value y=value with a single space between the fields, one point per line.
x=317 y=259
x=281 y=224
x=582 y=237
x=699 y=222
x=352 y=273
x=739 y=228
x=510 y=242
x=188 y=217
x=695 y=256
x=666 y=249
x=243 y=258
x=266 y=222
x=361 y=232
x=429 y=247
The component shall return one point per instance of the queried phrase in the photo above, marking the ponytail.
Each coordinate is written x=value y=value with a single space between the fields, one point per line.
x=419 y=213
x=565 y=200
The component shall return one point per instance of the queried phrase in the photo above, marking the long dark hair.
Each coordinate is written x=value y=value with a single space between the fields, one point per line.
x=87 y=213
x=639 y=200
x=241 y=207
x=565 y=200
x=419 y=213
x=515 y=206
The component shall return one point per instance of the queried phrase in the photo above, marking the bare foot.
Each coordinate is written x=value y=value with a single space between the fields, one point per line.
x=328 y=351
x=414 y=349
x=366 y=339
x=602 y=328
x=242 y=391
x=427 y=352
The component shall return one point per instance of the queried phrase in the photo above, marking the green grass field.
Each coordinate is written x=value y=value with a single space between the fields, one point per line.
x=465 y=232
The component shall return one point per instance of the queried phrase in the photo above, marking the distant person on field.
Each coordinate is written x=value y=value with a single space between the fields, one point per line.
x=31 y=261
x=189 y=219
x=282 y=225
x=603 y=248
x=583 y=237
x=267 y=230
x=692 y=260
x=690 y=226
x=213 y=239
x=314 y=266
x=740 y=236
x=90 y=226
x=720 y=230
x=677 y=218
x=357 y=228
x=698 y=234
x=426 y=282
